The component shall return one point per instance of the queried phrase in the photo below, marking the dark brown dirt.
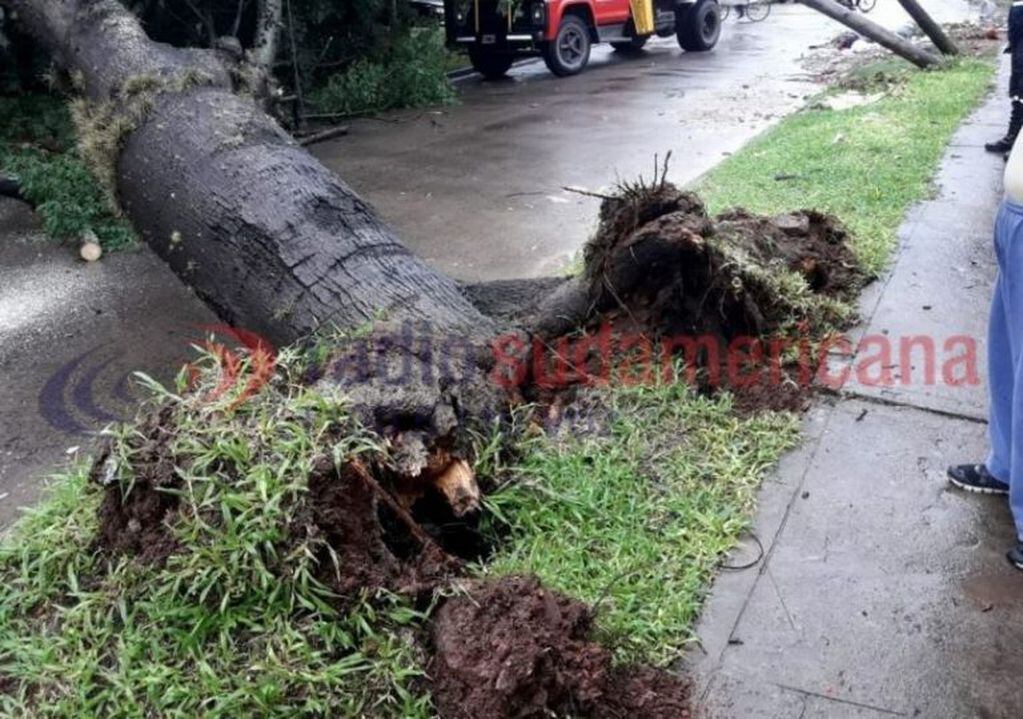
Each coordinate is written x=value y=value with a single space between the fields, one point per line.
x=510 y=648
x=659 y=259
x=133 y=522
x=375 y=549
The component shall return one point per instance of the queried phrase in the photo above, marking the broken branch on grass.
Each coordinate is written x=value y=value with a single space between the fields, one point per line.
x=324 y=135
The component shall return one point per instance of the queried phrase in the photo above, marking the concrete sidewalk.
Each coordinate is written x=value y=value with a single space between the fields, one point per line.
x=882 y=591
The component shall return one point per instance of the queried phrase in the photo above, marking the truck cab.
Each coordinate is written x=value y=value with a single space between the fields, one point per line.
x=496 y=32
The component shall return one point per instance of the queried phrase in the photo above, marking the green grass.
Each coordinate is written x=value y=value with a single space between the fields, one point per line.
x=37 y=146
x=638 y=520
x=866 y=164
x=235 y=623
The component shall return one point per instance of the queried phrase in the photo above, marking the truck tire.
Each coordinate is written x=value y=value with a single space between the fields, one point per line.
x=698 y=26
x=569 y=51
x=491 y=65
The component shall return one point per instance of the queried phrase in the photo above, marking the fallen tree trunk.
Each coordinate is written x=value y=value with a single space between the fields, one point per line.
x=870 y=29
x=932 y=29
x=263 y=232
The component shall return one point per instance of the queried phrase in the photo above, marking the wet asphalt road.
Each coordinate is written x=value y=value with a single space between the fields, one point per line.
x=475 y=188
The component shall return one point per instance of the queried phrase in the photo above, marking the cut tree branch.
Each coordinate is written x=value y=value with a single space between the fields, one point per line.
x=932 y=29
x=870 y=29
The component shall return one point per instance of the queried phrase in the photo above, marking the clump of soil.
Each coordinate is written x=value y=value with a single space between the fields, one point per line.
x=132 y=522
x=511 y=648
x=377 y=544
x=658 y=258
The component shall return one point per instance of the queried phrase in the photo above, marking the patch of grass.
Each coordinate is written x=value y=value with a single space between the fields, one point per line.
x=865 y=164
x=37 y=146
x=235 y=623
x=411 y=74
x=638 y=519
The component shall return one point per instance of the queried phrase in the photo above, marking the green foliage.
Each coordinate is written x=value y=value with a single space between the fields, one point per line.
x=411 y=74
x=235 y=623
x=638 y=518
x=37 y=147
x=865 y=164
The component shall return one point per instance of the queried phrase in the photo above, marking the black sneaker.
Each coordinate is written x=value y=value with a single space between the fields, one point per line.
x=1000 y=146
x=976 y=478
x=1015 y=556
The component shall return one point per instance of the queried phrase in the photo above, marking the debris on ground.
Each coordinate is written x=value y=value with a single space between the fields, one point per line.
x=837 y=62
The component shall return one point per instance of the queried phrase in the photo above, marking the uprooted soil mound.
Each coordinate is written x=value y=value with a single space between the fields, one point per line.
x=510 y=648
x=375 y=543
x=132 y=522
x=661 y=260
x=367 y=539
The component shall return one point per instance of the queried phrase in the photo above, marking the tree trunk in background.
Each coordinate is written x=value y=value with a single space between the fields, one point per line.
x=868 y=28
x=269 y=15
x=932 y=29
x=263 y=232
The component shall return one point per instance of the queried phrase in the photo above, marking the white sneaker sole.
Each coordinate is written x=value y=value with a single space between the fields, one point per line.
x=977 y=490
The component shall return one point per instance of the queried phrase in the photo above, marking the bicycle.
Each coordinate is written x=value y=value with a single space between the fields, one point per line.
x=864 y=6
x=752 y=10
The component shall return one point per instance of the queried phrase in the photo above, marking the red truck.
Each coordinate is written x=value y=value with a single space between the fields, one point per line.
x=496 y=32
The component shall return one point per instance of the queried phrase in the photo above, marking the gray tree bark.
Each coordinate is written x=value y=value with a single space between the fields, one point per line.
x=868 y=28
x=262 y=231
x=932 y=29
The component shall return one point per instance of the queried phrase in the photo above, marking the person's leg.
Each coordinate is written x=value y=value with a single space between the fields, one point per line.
x=1001 y=380
x=1005 y=143
x=1010 y=279
x=993 y=476
x=1016 y=462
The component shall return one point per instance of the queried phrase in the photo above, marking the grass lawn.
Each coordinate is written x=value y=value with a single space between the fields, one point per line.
x=865 y=164
x=638 y=518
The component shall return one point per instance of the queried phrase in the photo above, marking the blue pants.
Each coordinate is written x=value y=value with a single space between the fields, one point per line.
x=1005 y=359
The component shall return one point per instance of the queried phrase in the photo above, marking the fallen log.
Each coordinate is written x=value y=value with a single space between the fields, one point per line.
x=932 y=29
x=870 y=29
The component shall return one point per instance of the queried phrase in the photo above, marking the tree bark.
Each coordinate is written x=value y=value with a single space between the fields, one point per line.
x=868 y=28
x=269 y=19
x=262 y=231
x=932 y=29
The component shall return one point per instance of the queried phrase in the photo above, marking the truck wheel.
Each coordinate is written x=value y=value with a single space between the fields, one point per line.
x=698 y=26
x=569 y=51
x=491 y=65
